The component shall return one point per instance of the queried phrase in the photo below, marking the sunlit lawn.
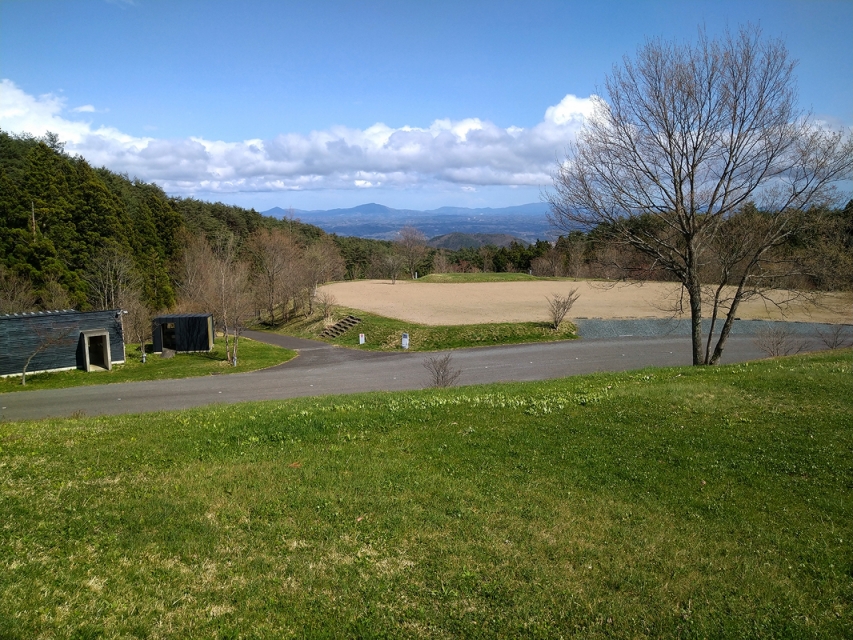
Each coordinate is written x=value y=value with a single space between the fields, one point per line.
x=683 y=502
x=251 y=357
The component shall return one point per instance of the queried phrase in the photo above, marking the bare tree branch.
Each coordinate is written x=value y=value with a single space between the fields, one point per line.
x=559 y=306
x=688 y=137
x=441 y=371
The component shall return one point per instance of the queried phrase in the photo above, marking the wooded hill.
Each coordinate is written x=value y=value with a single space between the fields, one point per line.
x=57 y=212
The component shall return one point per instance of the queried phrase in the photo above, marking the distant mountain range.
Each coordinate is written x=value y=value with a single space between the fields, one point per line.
x=526 y=222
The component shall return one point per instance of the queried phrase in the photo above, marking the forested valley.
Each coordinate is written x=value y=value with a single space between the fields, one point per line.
x=74 y=236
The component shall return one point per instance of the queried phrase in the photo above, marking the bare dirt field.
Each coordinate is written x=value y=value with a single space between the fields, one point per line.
x=482 y=302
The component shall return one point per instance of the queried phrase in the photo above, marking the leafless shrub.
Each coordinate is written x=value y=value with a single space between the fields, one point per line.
x=54 y=296
x=559 y=306
x=47 y=338
x=16 y=293
x=779 y=341
x=550 y=264
x=327 y=303
x=441 y=371
x=412 y=247
x=440 y=263
x=136 y=323
x=836 y=337
x=112 y=278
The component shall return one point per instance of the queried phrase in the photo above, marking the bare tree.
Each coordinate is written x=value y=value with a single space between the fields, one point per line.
x=412 y=247
x=441 y=371
x=272 y=253
x=231 y=293
x=559 y=306
x=112 y=278
x=323 y=263
x=240 y=303
x=573 y=248
x=440 y=263
x=47 y=337
x=388 y=264
x=195 y=280
x=778 y=341
x=838 y=336
x=54 y=296
x=16 y=292
x=136 y=323
x=327 y=304
x=685 y=137
x=549 y=263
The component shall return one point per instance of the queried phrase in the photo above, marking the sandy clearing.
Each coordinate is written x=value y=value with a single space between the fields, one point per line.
x=474 y=303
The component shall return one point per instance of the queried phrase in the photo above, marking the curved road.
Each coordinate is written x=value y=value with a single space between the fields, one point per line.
x=322 y=369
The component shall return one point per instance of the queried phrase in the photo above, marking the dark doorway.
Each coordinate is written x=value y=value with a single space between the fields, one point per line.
x=97 y=353
x=169 y=341
x=96 y=350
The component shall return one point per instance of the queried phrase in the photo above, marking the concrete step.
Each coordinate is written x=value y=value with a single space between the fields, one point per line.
x=340 y=327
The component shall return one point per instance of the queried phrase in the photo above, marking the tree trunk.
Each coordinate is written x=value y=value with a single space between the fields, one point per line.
x=727 y=326
x=714 y=315
x=694 y=291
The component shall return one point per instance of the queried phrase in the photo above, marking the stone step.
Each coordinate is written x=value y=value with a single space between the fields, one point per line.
x=340 y=327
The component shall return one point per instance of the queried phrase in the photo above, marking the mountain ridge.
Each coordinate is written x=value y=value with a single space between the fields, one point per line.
x=527 y=222
x=533 y=208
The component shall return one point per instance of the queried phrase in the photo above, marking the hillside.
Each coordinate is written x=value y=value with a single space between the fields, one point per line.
x=527 y=222
x=456 y=241
x=57 y=212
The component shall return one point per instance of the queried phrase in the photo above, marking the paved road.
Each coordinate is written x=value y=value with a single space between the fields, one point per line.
x=322 y=369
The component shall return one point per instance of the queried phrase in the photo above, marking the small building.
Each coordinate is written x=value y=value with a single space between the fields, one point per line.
x=183 y=332
x=60 y=340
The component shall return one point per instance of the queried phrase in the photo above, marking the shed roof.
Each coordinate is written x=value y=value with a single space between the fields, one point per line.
x=36 y=314
x=169 y=316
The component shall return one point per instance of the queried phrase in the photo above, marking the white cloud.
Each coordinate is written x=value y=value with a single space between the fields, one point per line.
x=469 y=153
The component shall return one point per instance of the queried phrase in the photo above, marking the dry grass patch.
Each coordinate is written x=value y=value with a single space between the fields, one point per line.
x=525 y=301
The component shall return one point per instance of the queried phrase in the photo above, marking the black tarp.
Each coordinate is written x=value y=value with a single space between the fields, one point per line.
x=183 y=332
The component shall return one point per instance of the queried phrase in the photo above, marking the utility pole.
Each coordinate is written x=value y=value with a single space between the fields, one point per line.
x=33 y=205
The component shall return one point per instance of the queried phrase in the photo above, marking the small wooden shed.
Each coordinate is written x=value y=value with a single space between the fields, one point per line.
x=60 y=340
x=183 y=332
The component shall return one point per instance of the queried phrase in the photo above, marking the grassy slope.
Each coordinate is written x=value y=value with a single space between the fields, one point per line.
x=478 y=277
x=692 y=502
x=385 y=334
x=251 y=357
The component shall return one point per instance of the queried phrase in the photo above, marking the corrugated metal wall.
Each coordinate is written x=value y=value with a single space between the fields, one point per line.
x=21 y=335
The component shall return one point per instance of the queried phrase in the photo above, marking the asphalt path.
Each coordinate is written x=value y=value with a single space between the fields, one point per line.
x=323 y=369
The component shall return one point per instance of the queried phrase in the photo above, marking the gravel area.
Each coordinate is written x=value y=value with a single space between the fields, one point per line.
x=475 y=303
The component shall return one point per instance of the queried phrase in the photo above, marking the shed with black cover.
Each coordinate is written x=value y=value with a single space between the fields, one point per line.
x=183 y=332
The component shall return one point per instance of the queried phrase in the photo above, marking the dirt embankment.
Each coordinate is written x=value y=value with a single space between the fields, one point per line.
x=475 y=303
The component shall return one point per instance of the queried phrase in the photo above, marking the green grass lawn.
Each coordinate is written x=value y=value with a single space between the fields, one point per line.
x=251 y=356
x=385 y=334
x=684 y=502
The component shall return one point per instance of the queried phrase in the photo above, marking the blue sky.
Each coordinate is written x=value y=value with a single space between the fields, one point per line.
x=331 y=104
